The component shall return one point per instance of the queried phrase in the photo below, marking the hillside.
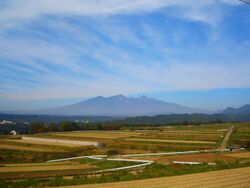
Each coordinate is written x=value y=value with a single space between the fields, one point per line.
x=245 y=109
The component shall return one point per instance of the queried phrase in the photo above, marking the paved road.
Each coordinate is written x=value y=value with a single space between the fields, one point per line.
x=226 y=138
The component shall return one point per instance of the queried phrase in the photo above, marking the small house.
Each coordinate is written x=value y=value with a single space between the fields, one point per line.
x=13 y=132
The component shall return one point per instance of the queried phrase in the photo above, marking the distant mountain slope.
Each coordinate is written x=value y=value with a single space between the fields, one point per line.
x=120 y=105
x=242 y=110
x=185 y=118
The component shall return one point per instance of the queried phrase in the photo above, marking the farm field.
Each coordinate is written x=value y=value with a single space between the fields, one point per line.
x=235 y=178
x=99 y=134
x=173 y=141
x=206 y=157
x=201 y=157
x=239 y=155
x=240 y=136
x=25 y=159
x=22 y=145
x=42 y=167
x=67 y=168
x=23 y=148
x=163 y=139
x=45 y=143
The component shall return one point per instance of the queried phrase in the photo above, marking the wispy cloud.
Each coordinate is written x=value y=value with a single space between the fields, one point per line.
x=14 y=11
x=61 y=48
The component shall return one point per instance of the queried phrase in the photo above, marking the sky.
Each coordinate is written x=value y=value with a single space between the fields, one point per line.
x=57 y=52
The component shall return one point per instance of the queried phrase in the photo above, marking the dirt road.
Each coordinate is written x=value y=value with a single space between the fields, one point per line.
x=226 y=138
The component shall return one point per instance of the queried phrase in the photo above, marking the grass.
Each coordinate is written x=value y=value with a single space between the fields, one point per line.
x=19 y=156
x=240 y=136
x=158 y=147
x=222 y=178
x=105 y=164
x=152 y=171
x=78 y=167
x=202 y=128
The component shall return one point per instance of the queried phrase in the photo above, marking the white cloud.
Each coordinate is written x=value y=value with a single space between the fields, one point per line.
x=130 y=72
x=14 y=11
x=139 y=78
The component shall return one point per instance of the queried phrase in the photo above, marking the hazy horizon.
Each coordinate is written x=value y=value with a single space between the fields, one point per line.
x=36 y=104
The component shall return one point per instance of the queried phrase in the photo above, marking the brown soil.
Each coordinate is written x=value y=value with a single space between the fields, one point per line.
x=42 y=168
x=12 y=147
x=239 y=155
x=172 y=141
x=204 y=157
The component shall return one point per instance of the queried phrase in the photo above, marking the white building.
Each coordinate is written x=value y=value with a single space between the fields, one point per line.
x=13 y=132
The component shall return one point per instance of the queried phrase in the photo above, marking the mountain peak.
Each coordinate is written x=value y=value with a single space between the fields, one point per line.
x=143 y=97
x=118 y=96
x=120 y=105
x=99 y=97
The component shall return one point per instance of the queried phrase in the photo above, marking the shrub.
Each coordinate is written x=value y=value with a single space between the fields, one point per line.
x=25 y=183
x=57 y=181
x=113 y=152
x=3 y=184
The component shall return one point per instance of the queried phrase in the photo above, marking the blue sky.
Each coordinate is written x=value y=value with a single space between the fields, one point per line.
x=56 y=52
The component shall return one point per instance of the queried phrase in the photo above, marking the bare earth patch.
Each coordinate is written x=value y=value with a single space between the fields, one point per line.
x=25 y=148
x=103 y=134
x=28 y=168
x=239 y=155
x=172 y=141
x=44 y=143
x=204 y=157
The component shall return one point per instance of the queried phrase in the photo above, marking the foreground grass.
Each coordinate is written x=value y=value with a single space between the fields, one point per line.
x=152 y=171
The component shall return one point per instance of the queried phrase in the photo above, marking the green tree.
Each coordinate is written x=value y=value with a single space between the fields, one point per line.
x=69 y=126
x=39 y=127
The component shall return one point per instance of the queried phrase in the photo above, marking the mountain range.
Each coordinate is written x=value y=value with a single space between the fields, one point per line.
x=119 y=105
x=245 y=109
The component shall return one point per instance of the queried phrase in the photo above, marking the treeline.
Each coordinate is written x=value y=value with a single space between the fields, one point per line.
x=131 y=123
x=19 y=118
x=40 y=127
x=186 y=119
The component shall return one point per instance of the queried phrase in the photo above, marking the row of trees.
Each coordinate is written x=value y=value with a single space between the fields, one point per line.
x=40 y=127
